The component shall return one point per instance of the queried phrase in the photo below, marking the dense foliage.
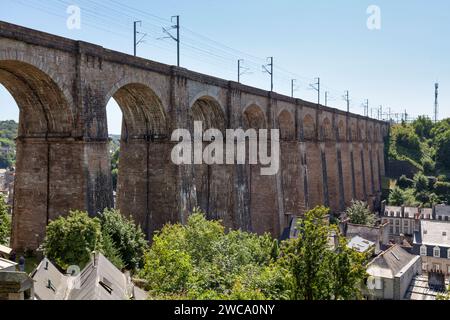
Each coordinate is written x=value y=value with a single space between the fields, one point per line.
x=426 y=145
x=319 y=271
x=126 y=237
x=114 y=151
x=5 y=222
x=359 y=213
x=71 y=240
x=8 y=132
x=200 y=260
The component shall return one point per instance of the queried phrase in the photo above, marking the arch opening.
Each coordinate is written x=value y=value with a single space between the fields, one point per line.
x=141 y=176
x=41 y=183
x=286 y=124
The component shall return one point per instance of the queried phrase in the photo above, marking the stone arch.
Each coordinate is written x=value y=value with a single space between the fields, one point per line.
x=370 y=136
x=309 y=128
x=44 y=107
x=211 y=188
x=361 y=131
x=327 y=129
x=44 y=178
x=286 y=124
x=254 y=118
x=353 y=132
x=377 y=134
x=341 y=131
x=209 y=111
x=145 y=180
x=143 y=112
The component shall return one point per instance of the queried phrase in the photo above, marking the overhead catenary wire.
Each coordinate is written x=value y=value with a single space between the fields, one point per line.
x=115 y=18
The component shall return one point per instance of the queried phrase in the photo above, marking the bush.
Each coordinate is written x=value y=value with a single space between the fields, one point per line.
x=200 y=261
x=429 y=167
x=5 y=222
x=443 y=149
x=126 y=237
x=404 y=183
x=359 y=213
x=399 y=197
x=421 y=183
x=71 y=241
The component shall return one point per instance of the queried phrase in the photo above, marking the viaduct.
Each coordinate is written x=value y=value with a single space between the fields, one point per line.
x=62 y=88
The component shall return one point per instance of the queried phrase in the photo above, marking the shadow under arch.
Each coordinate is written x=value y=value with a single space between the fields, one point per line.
x=146 y=182
x=45 y=185
x=213 y=188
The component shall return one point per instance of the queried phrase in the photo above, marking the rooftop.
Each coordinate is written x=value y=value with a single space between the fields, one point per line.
x=360 y=244
x=99 y=280
x=4 y=264
x=391 y=263
x=420 y=289
x=433 y=233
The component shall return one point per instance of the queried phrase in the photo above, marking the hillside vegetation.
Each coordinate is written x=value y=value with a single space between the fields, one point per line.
x=8 y=132
x=426 y=145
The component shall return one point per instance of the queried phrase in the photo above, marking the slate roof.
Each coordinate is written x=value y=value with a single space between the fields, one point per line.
x=419 y=289
x=391 y=263
x=99 y=280
x=49 y=282
x=433 y=233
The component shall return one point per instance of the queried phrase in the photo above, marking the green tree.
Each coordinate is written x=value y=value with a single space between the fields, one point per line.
x=199 y=260
x=405 y=183
x=71 y=240
x=5 y=222
x=321 y=272
x=110 y=251
x=423 y=126
x=420 y=183
x=127 y=238
x=399 y=197
x=443 y=149
x=359 y=213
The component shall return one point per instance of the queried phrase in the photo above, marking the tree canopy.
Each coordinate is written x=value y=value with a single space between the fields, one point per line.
x=5 y=222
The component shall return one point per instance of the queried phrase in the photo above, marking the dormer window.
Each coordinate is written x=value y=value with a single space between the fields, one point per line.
x=437 y=252
x=423 y=250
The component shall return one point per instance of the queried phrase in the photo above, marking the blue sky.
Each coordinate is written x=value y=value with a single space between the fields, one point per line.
x=395 y=66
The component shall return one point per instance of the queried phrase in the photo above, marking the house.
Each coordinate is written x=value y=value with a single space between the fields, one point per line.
x=15 y=286
x=361 y=245
x=432 y=243
x=376 y=234
x=442 y=212
x=427 y=287
x=99 y=280
x=391 y=273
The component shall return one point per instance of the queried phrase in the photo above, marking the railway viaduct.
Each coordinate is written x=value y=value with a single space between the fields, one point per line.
x=62 y=88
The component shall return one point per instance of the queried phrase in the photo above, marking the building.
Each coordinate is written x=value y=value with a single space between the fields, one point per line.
x=427 y=287
x=7 y=265
x=99 y=280
x=432 y=243
x=376 y=234
x=361 y=245
x=405 y=220
x=15 y=286
x=442 y=212
x=391 y=273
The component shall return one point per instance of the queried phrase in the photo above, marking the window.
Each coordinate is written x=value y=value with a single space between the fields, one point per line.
x=423 y=250
x=448 y=254
x=424 y=266
x=436 y=267
x=448 y=269
x=437 y=252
